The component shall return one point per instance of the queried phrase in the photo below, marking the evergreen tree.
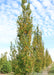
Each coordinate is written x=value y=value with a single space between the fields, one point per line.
x=24 y=31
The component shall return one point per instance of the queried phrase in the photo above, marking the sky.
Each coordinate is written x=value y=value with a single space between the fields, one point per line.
x=42 y=13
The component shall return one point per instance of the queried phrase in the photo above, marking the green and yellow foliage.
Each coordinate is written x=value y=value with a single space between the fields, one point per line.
x=5 y=66
x=47 y=58
x=27 y=58
x=38 y=49
x=24 y=32
x=13 y=56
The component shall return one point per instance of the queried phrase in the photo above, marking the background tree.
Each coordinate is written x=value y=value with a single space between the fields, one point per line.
x=5 y=66
x=13 y=56
x=38 y=49
x=48 y=58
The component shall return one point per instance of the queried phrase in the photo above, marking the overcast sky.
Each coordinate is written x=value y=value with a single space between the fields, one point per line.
x=42 y=13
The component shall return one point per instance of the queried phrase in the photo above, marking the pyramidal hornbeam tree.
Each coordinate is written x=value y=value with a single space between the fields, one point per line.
x=38 y=50
x=24 y=32
x=48 y=58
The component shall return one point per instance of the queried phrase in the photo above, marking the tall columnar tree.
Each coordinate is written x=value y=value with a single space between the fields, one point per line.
x=41 y=50
x=38 y=49
x=24 y=31
x=48 y=58
x=13 y=56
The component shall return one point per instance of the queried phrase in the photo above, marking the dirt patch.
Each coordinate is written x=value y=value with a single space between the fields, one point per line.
x=2 y=74
x=45 y=72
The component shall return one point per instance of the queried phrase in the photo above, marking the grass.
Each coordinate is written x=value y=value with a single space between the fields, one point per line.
x=51 y=71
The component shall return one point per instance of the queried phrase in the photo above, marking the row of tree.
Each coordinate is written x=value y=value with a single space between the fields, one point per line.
x=28 y=56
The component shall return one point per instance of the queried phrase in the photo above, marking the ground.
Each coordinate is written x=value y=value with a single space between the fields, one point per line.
x=8 y=74
x=49 y=70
